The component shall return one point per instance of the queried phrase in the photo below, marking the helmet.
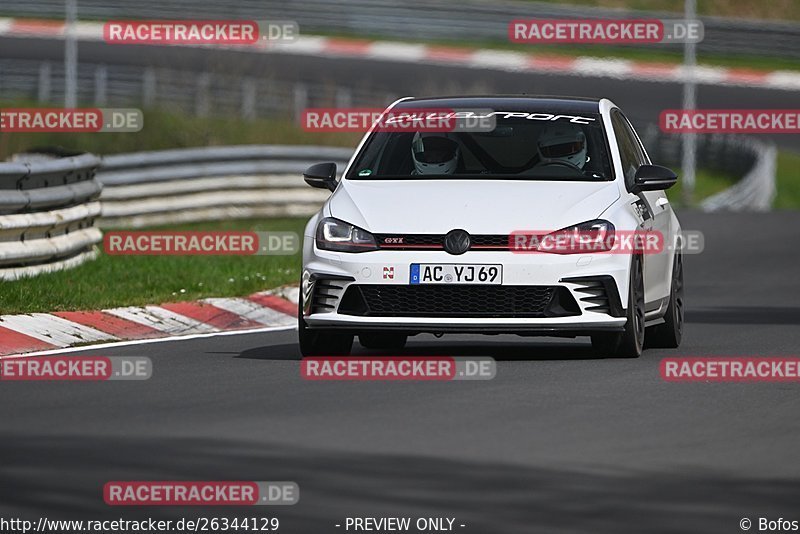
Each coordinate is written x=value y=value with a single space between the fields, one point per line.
x=434 y=154
x=563 y=142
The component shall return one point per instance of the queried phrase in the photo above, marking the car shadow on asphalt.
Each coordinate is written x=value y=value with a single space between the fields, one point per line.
x=286 y=351
x=530 y=350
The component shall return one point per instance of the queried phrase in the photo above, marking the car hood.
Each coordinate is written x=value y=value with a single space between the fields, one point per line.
x=477 y=206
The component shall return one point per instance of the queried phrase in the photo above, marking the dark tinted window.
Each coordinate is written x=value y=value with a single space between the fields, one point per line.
x=629 y=149
x=563 y=147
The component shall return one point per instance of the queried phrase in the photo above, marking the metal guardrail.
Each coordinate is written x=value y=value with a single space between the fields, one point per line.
x=176 y=186
x=728 y=154
x=47 y=214
x=422 y=19
x=756 y=190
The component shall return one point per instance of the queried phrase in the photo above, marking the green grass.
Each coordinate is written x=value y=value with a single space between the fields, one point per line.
x=138 y=280
x=707 y=183
x=788 y=181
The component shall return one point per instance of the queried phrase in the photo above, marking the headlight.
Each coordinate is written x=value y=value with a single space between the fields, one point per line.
x=333 y=234
x=583 y=238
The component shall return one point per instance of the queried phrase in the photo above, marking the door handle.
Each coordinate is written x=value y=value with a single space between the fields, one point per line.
x=662 y=203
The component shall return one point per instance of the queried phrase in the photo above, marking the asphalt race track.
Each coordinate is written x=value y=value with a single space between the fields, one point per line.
x=559 y=441
x=641 y=100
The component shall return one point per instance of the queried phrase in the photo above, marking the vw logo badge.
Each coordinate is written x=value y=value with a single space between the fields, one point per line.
x=457 y=242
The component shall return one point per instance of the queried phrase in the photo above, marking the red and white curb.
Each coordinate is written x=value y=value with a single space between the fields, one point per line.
x=463 y=57
x=33 y=332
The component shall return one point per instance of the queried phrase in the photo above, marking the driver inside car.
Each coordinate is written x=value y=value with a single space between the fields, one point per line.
x=434 y=154
x=564 y=145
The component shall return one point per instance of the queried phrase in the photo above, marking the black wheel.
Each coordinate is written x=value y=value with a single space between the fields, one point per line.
x=321 y=342
x=668 y=334
x=627 y=344
x=382 y=340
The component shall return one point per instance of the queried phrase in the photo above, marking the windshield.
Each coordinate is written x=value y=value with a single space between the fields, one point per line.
x=527 y=145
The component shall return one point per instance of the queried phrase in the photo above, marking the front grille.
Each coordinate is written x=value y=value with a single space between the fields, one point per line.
x=436 y=241
x=458 y=301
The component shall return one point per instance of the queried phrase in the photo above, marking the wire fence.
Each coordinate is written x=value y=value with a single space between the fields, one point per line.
x=474 y=20
x=188 y=91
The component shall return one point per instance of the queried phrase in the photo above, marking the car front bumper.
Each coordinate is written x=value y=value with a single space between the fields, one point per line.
x=332 y=274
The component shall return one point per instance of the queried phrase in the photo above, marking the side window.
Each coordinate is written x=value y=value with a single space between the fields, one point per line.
x=629 y=149
x=643 y=158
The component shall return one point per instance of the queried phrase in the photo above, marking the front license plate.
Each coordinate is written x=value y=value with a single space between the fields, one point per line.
x=448 y=273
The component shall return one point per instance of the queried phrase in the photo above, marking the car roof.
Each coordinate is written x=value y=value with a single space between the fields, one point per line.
x=525 y=103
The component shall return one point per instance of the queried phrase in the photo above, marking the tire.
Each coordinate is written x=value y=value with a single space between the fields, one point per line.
x=382 y=340
x=668 y=335
x=321 y=342
x=627 y=344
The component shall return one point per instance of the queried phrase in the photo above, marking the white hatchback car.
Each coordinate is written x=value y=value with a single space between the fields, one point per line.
x=495 y=231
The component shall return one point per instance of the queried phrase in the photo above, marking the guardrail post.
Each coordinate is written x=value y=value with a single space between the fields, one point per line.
x=45 y=77
x=650 y=140
x=100 y=82
x=201 y=102
x=71 y=56
x=344 y=97
x=688 y=163
x=149 y=87
x=300 y=100
x=248 y=99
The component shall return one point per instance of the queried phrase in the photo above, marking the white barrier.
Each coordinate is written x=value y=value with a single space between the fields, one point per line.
x=47 y=212
x=178 y=186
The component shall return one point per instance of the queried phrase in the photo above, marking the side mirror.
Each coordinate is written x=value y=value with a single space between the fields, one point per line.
x=321 y=175
x=653 y=178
